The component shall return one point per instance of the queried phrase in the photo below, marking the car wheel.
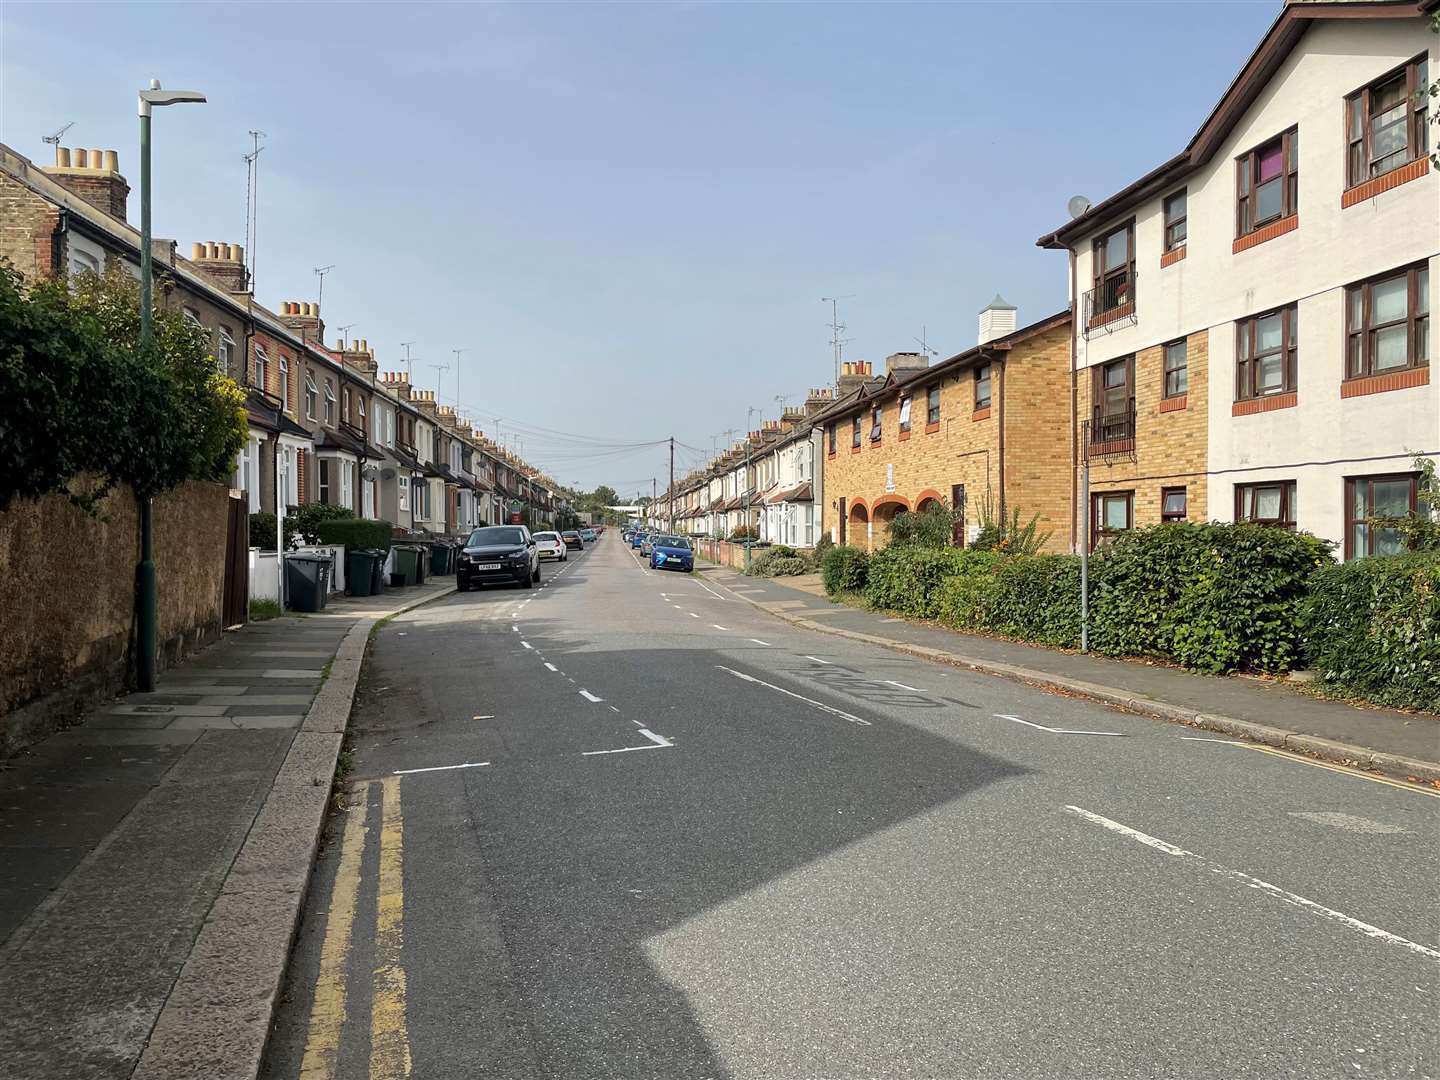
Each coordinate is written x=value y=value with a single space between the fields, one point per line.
x=528 y=583
x=461 y=585
x=537 y=573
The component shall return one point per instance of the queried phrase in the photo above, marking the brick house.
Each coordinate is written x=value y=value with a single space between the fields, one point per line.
x=1252 y=338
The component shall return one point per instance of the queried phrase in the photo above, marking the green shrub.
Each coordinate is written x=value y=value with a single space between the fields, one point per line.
x=262 y=531
x=260 y=610
x=963 y=600
x=355 y=533
x=744 y=532
x=302 y=521
x=933 y=527
x=1371 y=628
x=1036 y=598
x=844 y=570
x=907 y=579
x=778 y=561
x=789 y=566
x=1211 y=597
x=817 y=553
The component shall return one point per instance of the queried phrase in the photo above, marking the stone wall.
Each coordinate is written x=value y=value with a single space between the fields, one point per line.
x=67 y=608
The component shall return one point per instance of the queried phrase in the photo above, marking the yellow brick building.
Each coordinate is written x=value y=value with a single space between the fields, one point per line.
x=988 y=427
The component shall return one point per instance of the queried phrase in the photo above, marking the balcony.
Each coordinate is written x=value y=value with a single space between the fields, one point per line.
x=1111 y=304
x=1110 y=436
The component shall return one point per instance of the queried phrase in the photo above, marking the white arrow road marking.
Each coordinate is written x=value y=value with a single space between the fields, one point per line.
x=588 y=696
x=1255 y=883
x=442 y=768
x=1056 y=730
x=801 y=697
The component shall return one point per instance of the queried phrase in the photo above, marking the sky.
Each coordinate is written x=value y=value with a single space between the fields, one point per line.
x=626 y=215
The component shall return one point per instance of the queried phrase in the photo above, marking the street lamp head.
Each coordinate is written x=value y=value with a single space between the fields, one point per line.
x=155 y=96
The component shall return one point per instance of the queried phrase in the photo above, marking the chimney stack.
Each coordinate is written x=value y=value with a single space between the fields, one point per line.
x=358 y=356
x=223 y=262
x=853 y=375
x=304 y=318
x=398 y=383
x=901 y=364
x=997 y=320
x=93 y=175
x=818 y=399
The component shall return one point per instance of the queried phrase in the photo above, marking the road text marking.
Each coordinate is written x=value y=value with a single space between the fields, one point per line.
x=1255 y=883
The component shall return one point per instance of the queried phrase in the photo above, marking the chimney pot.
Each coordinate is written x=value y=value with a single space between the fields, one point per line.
x=197 y=251
x=112 y=161
x=96 y=157
x=62 y=156
x=79 y=159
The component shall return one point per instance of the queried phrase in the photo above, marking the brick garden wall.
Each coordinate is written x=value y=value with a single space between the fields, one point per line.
x=67 y=611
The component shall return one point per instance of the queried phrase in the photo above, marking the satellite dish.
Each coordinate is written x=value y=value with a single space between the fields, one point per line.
x=1077 y=205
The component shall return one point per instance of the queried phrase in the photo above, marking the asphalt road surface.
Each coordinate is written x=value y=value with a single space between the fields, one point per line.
x=629 y=826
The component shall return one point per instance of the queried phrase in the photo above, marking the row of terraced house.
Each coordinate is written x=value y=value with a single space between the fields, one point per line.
x=1247 y=337
x=325 y=423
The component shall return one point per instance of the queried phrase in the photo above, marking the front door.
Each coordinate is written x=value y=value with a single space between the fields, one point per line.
x=844 y=514
x=957 y=504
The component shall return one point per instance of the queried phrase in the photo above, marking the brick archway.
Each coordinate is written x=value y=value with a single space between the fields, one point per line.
x=927 y=496
x=859 y=504
x=890 y=505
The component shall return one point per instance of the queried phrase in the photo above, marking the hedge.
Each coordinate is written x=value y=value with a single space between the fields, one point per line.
x=1371 y=628
x=1210 y=597
x=355 y=533
x=843 y=569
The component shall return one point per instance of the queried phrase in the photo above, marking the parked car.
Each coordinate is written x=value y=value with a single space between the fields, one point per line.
x=636 y=538
x=572 y=540
x=498 y=553
x=550 y=546
x=647 y=543
x=671 y=553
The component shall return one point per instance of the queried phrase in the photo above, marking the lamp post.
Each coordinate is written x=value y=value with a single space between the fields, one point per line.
x=146 y=615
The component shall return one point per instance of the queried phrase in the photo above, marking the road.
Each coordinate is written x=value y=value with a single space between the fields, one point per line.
x=629 y=826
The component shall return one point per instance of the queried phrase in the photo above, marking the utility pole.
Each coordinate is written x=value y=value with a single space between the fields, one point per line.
x=748 y=414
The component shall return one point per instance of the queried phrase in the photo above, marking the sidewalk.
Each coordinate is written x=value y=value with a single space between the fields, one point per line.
x=119 y=839
x=1269 y=711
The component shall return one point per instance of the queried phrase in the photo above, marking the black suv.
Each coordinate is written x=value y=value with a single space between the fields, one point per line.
x=498 y=553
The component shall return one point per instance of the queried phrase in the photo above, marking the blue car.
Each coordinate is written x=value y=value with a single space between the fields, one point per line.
x=671 y=553
x=637 y=539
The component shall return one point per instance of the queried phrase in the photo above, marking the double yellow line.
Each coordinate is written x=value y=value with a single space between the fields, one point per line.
x=389 y=1036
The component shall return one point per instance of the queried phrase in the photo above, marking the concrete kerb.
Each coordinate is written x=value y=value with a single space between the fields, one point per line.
x=216 y=1021
x=1393 y=765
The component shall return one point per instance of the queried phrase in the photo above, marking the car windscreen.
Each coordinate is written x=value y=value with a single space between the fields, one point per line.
x=497 y=534
x=673 y=541
x=547 y=536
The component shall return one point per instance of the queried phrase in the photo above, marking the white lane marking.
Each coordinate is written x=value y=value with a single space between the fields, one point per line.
x=638 y=723
x=693 y=615
x=658 y=740
x=588 y=696
x=1056 y=730
x=902 y=686
x=625 y=750
x=1256 y=883
x=551 y=666
x=442 y=768
x=707 y=588
x=527 y=645
x=675 y=606
x=717 y=626
x=817 y=660
x=488 y=716
x=614 y=709
x=757 y=641
x=515 y=629
x=801 y=697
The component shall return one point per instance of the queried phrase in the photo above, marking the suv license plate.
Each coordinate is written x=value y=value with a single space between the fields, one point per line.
x=488 y=566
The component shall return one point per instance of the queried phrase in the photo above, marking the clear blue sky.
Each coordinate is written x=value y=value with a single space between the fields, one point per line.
x=626 y=214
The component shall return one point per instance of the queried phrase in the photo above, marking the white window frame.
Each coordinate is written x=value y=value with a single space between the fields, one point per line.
x=262 y=366
x=329 y=403
x=284 y=382
x=360 y=409
x=367 y=499
x=312 y=396
x=224 y=352
x=404 y=482
x=347 y=485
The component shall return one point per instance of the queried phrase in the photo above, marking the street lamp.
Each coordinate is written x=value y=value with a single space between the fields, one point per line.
x=146 y=613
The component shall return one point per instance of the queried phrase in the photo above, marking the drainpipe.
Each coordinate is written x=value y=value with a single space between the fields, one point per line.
x=999 y=361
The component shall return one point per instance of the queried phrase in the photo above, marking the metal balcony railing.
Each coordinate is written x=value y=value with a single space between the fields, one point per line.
x=1111 y=304
x=1110 y=435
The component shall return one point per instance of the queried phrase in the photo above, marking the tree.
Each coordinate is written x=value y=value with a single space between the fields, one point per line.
x=79 y=395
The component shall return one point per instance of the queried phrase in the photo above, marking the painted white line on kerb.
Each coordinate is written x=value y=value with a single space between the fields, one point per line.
x=801 y=697
x=527 y=645
x=757 y=641
x=588 y=696
x=818 y=660
x=717 y=626
x=902 y=686
x=442 y=768
x=1256 y=883
x=1056 y=730
x=551 y=666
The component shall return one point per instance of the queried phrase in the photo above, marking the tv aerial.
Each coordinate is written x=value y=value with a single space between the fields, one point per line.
x=54 y=140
